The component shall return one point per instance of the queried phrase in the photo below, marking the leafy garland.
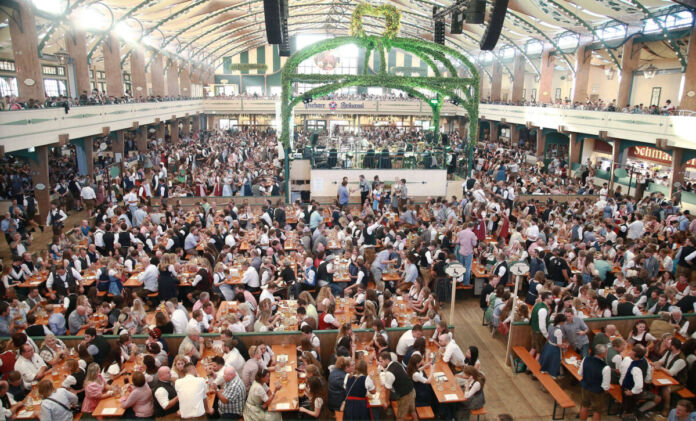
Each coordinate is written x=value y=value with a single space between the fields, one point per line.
x=391 y=15
x=465 y=90
x=245 y=67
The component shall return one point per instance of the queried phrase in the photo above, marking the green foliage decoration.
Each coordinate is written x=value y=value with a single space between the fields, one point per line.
x=465 y=89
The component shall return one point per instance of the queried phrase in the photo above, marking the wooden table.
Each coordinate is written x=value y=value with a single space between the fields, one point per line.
x=381 y=395
x=35 y=280
x=451 y=391
x=287 y=397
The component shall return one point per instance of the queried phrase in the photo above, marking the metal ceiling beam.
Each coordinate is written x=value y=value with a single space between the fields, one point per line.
x=582 y=22
x=521 y=51
x=57 y=22
x=149 y=30
x=665 y=32
x=546 y=37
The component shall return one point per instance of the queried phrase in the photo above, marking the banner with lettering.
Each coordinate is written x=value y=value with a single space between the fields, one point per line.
x=655 y=155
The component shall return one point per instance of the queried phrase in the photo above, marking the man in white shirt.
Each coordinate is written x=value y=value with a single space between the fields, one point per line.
x=407 y=339
x=30 y=366
x=191 y=390
x=232 y=356
x=603 y=192
x=250 y=278
x=166 y=402
x=451 y=352
x=178 y=318
x=635 y=228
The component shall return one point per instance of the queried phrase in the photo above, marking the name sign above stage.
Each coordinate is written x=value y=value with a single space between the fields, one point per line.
x=341 y=105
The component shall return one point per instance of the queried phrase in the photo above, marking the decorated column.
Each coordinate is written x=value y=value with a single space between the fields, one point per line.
x=173 y=79
x=111 y=50
x=138 y=78
x=157 y=76
x=76 y=44
x=518 y=78
x=629 y=63
x=25 y=51
x=546 y=78
x=38 y=165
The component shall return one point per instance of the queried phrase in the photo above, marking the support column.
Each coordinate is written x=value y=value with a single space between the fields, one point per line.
x=76 y=44
x=83 y=149
x=689 y=102
x=629 y=63
x=157 y=76
x=138 y=78
x=574 y=149
x=39 y=175
x=197 y=123
x=210 y=125
x=117 y=145
x=583 y=57
x=546 y=78
x=185 y=81
x=492 y=132
x=518 y=81
x=186 y=129
x=159 y=131
x=615 y=158
x=174 y=131
x=514 y=134
x=541 y=143
x=173 y=79
x=678 y=167
x=112 y=65
x=141 y=139
x=497 y=81
x=26 y=53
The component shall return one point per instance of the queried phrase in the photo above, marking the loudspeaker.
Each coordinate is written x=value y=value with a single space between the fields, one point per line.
x=476 y=12
x=439 y=33
x=495 y=25
x=457 y=22
x=272 y=13
x=284 y=48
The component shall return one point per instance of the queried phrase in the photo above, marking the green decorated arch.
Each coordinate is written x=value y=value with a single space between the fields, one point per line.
x=463 y=91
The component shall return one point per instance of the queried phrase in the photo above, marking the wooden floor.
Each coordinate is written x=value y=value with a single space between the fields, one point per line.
x=515 y=394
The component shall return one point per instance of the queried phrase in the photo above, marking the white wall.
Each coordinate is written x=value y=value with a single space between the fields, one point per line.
x=566 y=85
x=642 y=89
x=419 y=182
x=598 y=84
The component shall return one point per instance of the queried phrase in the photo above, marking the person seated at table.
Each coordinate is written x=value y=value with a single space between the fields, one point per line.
x=684 y=411
x=259 y=399
x=139 y=402
x=421 y=381
x=357 y=386
x=417 y=348
x=640 y=334
x=673 y=364
x=113 y=366
x=52 y=350
x=318 y=400
x=30 y=365
x=473 y=383
x=96 y=389
x=409 y=278
x=195 y=340
x=56 y=404
x=192 y=390
x=62 y=282
x=163 y=323
x=165 y=400
x=471 y=358
x=451 y=352
x=74 y=381
x=166 y=284
x=16 y=387
x=95 y=345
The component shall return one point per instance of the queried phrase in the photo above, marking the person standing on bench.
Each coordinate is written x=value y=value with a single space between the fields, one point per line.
x=550 y=358
x=633 y=380
x=596 y=379
x=539 y=322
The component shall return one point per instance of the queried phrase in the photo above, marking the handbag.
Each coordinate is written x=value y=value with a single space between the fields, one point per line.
x=343 y=404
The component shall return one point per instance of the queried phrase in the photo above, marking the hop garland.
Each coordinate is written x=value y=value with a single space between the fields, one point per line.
x=391 y=15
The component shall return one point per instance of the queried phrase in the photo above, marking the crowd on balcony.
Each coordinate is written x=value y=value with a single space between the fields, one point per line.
x=594 y=105
x=96 y=97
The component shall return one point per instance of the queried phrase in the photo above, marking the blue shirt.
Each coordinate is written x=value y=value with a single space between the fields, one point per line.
x=343 y=195
x=57 y=324
x=673 y=416
x=411 y=273
x=5 y=326
x=315 y=219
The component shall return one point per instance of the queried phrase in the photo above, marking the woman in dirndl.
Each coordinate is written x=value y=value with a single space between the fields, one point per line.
x=550 y=357
x=357 y=387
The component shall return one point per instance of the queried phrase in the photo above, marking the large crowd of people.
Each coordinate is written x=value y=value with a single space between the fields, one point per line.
x=602 y=256
x=594 y=105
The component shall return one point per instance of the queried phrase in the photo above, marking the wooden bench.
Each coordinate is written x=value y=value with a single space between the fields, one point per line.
x=424 y=412
x=685 y=393
x=560 y=397
x=478 y=413
x=616 y=397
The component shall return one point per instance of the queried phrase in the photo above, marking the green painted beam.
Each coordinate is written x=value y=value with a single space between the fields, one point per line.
x=582 y=22
x=115 y=22
x=56 y=23
x=546 y=37
x=665 y=33
x=521 y=51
